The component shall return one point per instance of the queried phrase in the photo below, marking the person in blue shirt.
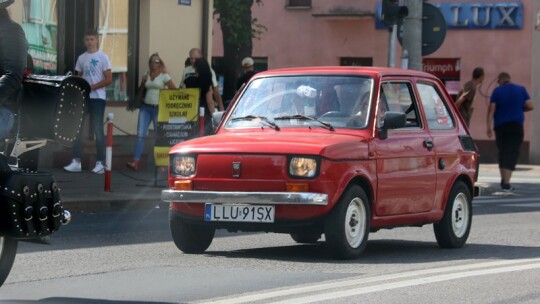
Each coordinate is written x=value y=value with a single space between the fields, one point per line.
x=506 y=116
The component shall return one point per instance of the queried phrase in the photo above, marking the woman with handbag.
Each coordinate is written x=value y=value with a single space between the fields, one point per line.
x=153 y=81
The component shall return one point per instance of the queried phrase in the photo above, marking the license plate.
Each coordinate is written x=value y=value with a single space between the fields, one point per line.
x=239 y=213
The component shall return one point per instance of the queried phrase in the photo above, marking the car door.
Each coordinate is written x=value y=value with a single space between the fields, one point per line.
x=442 y=127
x=406 y=177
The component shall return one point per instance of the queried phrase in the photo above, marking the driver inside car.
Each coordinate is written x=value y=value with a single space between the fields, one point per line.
x=328 y=101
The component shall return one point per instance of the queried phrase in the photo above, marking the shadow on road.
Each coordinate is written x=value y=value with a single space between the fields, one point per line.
x=75 y=300
x=385 y=252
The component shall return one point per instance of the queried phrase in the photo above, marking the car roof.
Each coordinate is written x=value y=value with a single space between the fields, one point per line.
x=346 y=70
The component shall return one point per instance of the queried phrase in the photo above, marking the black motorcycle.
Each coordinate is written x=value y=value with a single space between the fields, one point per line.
x=50 y=109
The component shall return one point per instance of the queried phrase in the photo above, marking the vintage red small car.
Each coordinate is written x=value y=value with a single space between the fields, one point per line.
x=339 y=151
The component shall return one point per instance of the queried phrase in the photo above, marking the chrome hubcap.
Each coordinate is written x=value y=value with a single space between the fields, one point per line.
x=460 y=215
x=355 y=222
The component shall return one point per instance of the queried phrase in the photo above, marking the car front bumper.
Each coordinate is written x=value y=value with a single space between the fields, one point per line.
x=252 y=198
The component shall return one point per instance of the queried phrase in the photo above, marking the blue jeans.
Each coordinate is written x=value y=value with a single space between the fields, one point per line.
x=147 y=114
x=6 y=121
x=96 y=110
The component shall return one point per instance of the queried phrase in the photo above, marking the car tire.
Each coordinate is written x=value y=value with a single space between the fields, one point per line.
x=189 y=238
x=453 y=230
x=347 y=225
x=306 y=238
x=8 y=250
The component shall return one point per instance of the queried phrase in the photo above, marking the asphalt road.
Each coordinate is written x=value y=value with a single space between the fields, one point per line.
x=129 y=257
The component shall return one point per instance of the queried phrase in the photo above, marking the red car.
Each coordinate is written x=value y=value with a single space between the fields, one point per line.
x=333 y=151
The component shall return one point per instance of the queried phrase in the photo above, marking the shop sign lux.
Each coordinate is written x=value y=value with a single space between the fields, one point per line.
x=476 y=15
x=490 y=15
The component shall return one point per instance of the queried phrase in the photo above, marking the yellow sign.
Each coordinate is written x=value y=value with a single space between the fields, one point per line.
x=178 y=118
x=178 y=106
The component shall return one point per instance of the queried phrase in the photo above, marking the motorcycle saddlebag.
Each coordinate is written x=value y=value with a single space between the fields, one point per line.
x=53 y=107
x=30 y=205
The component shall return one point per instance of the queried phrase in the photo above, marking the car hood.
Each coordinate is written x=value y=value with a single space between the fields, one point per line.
x=329 y=145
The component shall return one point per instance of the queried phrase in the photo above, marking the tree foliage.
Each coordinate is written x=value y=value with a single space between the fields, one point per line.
x=238 y=28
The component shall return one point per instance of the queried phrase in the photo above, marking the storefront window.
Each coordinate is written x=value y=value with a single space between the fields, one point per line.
x=113 y=30
x=40 y=25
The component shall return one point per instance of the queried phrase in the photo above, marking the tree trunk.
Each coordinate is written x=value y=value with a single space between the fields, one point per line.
x=233 y=49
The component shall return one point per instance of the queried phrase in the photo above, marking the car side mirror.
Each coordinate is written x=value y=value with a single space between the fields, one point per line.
x=392 y=120
x=217 y=116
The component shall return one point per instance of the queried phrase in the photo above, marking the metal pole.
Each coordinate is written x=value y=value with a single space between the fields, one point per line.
x=108 y=152
x=392 y=46
x=412 y=34
x=201 y=121
x=405 y=59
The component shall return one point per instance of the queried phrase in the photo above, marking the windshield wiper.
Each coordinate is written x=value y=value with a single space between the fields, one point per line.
x=261 y=118
x=304 y=117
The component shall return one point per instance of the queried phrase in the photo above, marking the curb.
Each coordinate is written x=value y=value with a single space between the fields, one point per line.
x=112 y=205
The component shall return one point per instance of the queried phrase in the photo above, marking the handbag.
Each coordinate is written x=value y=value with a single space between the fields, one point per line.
x=138 y=101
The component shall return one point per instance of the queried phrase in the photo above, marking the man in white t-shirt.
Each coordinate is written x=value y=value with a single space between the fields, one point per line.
x=95 y=67
x=195 y=54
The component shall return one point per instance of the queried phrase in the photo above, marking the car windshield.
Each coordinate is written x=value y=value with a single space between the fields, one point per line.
x=326 y=101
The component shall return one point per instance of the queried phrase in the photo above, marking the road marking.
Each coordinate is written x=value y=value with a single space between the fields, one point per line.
x=407 y=283
x=496 y=199
x=408 y=279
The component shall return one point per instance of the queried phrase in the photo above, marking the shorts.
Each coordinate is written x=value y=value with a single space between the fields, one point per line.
x=509 y=137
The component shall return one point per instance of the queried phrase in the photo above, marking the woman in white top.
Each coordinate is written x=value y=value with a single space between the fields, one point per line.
x=154 y=80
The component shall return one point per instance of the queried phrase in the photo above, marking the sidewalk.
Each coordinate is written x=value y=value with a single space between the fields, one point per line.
x=84 y=192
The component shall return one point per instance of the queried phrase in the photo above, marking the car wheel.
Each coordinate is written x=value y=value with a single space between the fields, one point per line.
x=347 y=226
x=453 y=230
x=8 y=250
x=189 y=238
x=306 y=238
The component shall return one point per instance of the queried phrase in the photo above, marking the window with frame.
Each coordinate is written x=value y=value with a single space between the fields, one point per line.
x=398 y=97
x=113 y=32
x=298 y=4
x=40 y=24
x=437 y=114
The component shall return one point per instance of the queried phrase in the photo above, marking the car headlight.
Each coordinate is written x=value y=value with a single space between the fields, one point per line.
x=182 y=165
x=303 y=167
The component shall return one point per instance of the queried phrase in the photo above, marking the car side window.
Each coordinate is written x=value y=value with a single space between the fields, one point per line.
x=437 y=114
x=399 y=98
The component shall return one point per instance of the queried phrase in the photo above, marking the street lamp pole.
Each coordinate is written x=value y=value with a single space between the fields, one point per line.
x=412 y=34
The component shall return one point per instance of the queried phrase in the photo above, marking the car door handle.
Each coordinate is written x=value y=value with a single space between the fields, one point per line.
x=428 y=144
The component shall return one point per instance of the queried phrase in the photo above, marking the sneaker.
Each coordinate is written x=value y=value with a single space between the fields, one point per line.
x=75 y=166
x=507 y=188
x=99 y=168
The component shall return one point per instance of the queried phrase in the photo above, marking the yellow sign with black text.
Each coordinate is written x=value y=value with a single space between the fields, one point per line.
x=178 y=118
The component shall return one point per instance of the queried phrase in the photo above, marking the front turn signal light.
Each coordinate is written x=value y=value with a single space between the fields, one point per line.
x=183 y=185
x=297 y=187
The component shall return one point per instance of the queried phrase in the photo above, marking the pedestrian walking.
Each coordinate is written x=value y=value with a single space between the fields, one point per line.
x=154 y=80
x=464 y=103
x=202 y=80
x=194 y=54
x=509 y=102
x=95 y=67
x=248 y=71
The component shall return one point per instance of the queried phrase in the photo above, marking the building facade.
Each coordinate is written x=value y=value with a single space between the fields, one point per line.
x=496 y=35
x=130 y=31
